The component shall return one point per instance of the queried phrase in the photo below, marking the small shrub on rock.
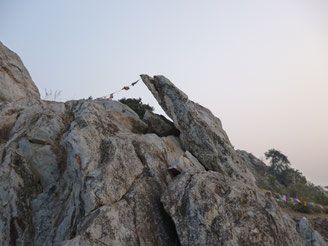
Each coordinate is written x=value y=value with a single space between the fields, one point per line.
x=137 y=106
x=301 y=208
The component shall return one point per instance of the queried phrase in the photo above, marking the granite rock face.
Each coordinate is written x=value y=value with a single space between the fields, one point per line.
x=257 y=168
x=15 y=81
x=211 y=209
x=255 y=165
x=88 y=172
x=85 y=169
x=201 y=133
x=311 y=236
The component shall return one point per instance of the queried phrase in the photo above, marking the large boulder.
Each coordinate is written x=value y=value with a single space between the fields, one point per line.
x=222 y=206
x=311 y=236
x=211 y=209
x=201 y=133
x=84 y=171
x=15 y=81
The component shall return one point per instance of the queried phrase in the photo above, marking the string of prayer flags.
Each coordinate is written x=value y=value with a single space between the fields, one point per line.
x=111 y=95
x=279 y=197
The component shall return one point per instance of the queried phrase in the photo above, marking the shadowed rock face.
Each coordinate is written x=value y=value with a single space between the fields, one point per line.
x=87 y=172
x=159 y=124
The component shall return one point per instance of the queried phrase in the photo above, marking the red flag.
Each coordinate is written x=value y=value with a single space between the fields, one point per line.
x=126 y=88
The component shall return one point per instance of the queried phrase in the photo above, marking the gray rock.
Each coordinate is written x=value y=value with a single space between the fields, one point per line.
x=159 y=124
x=42 y=161
x=257 y=168
x=70 y=170
x=87 y=172
x=311 y=236
x=186 y=162
x=211 y=209
x=201 y=133
x=255 y=165
x=15 y=81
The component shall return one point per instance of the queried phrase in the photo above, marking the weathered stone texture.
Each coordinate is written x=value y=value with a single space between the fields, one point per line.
x=201 y=133
x=311 y=236
x=15 y=81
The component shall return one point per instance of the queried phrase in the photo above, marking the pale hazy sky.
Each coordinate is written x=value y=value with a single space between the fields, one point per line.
x=260 y=66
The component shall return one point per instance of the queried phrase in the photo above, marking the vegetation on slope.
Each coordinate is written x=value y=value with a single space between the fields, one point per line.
x=137 y=106
x=284 y=179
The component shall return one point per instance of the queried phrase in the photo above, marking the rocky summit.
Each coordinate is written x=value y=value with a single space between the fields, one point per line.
x=91 y=172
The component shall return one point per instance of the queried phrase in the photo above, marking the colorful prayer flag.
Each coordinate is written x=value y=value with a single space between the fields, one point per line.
x=135 y=82
x=280 y=197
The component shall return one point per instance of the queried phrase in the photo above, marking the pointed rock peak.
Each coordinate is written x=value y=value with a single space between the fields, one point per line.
x=201 y=132
x=159 y=87
x=15 y=81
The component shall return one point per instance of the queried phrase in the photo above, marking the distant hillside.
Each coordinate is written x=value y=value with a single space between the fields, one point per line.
x=290 y=182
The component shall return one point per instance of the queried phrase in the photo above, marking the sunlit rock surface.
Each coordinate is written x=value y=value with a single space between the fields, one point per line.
x=15 y=81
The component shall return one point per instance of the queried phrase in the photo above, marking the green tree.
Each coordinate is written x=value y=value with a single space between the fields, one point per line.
x=278 y=161
x=287 y=177
x=137 y=106
x=286 y=180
